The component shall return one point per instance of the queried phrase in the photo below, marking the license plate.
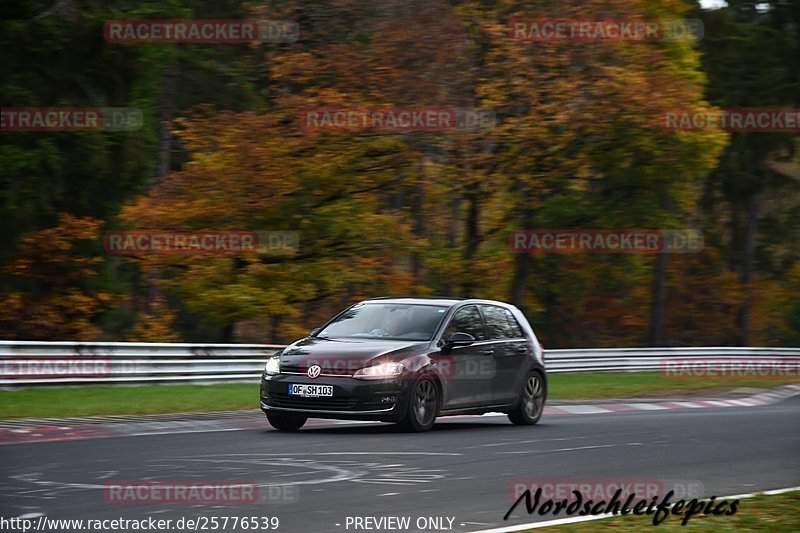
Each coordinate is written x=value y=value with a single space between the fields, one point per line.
x=311 y=391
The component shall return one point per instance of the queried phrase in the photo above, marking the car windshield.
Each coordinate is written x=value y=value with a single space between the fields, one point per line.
x=415 y=322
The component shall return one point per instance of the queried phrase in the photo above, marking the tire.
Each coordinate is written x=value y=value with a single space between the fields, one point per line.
x=286 y=422
x=423 y=405
x=531 y=401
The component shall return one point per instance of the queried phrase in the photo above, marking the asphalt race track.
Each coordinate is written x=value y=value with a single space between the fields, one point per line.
x=464 y=469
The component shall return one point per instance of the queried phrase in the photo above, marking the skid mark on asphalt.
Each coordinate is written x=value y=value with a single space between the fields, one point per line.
x=574 y=449
x=516 y=442
x=51 y=482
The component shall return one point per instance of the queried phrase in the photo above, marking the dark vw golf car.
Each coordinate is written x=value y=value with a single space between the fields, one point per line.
x=409 y=360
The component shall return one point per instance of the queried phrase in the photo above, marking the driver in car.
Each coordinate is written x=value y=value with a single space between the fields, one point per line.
x=395 y=325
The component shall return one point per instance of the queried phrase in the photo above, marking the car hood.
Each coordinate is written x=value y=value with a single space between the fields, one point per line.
x=344 y=356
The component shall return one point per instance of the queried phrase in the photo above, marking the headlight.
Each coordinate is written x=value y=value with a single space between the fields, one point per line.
x=382 y=371
x=273 y=365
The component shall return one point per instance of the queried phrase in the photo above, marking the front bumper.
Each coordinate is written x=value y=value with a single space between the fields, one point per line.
x=353 y=399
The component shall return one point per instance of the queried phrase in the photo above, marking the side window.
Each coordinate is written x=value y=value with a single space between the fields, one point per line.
x=497 y=322
x=516 y=329
x=467 y=320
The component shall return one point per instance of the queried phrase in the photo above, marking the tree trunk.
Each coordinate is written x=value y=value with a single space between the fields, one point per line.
x=522 y=263
x=418 y=203
x=472 y=242
x=163 y=165
x=743 y=320
x=658 y=310
x=166 y=116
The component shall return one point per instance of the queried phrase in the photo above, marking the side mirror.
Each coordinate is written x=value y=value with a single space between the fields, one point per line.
x=457 y=339
x=314 y=332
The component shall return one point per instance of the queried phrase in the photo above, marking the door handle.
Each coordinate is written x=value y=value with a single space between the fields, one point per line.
x=522 y=349
x=488 y=352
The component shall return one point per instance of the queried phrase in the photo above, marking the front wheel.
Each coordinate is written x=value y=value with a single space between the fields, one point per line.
x=422 y=405
x=285 y=422
x=531 y=401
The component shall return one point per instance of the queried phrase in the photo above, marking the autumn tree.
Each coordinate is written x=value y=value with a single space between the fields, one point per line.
x=57 y=294
x=751 y=53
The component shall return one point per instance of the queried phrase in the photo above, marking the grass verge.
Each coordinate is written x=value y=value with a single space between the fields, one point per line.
x=105 y=400
x=760 y=513
x=599 y=386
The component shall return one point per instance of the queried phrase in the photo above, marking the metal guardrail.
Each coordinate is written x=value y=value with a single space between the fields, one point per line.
x=31 y=363
x=71 y=363
x=663 y=359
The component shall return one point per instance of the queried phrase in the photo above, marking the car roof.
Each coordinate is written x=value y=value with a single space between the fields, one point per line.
x=432 y=300
x=423 y=300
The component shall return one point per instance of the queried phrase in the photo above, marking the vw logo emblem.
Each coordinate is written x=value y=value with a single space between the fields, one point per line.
x=313 y=371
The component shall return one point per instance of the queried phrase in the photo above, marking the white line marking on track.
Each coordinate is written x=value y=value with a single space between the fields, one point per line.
x=583 y=409
x=287 y=453
x=781 y=491
x=647 y=406
x=575 y=449
x=172 y=432
x=690 y=405
x=530 y=441
x=743 y=403
x=564 y=449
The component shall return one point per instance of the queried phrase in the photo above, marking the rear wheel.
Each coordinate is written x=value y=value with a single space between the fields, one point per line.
x=422 y=406
x=286 y=422
x=531 y=401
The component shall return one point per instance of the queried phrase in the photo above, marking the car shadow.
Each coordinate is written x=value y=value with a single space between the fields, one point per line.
x=393 y=429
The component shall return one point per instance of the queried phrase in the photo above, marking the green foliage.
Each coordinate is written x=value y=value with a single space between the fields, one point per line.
x=575 y=146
